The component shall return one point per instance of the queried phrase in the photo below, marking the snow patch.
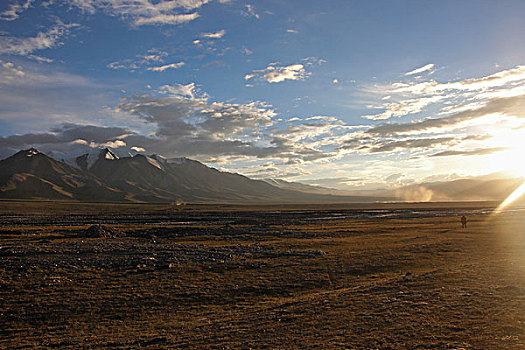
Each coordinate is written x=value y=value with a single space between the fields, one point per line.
x=32 y=152
x=154 y=163
x=110 y=156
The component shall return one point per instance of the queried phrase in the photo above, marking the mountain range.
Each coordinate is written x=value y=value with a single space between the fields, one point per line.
x=102 y=176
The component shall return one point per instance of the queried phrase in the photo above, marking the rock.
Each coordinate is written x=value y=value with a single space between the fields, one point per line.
x=102 y=231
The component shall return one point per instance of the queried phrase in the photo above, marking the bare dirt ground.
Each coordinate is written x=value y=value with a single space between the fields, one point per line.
x=262 y=278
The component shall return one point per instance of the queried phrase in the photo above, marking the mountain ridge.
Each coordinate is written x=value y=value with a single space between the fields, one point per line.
x=140 y=178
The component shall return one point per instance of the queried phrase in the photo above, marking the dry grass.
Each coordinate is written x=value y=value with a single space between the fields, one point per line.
x=261 y=279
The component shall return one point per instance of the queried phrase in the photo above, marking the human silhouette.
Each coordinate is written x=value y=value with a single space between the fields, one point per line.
x=463 y=222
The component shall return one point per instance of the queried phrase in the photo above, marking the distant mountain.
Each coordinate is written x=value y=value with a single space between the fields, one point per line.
x=298 y=186
x=103 y=176
x=31 y=174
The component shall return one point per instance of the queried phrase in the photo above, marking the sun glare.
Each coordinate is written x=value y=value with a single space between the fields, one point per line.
x=510 y=161
x=513 y=196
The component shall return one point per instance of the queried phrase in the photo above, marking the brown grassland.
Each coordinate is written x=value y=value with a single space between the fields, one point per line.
x=210 y=277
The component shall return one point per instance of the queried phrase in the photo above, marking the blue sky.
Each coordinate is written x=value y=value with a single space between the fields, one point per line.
x=347 y=94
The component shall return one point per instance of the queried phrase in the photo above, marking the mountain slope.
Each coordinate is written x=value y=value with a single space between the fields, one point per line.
x=139 y=178
x=157 y=179
x=31 y=174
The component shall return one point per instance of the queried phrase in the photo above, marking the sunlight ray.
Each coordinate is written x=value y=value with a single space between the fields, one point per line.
x=511 y=198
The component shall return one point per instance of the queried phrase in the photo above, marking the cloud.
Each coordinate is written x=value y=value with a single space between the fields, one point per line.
x=40 y=58
x=475 y=152
x=62 y=137
x=16 y=77
x=187 y=90
x=186 y=123
x=390 y=146
x=277 y=74
x=146 y=12
x=181 y=120
x=150 y=59
x=510 y=106
x=14 y=10
x=250 y=11
x=403 y=108
x=415 y=96
x=167 y=19
x=43 y=40
x=167 y=66
x=216 y=35
x=421 y=69
x=26 y=91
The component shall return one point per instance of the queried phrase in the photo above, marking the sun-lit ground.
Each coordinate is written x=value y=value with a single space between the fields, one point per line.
x=266 y=278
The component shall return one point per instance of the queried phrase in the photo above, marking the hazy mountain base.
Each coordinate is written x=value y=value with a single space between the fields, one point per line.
x=259 y=279
x=494 y=187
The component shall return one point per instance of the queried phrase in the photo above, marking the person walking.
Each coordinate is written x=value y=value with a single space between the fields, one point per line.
x=463 y=222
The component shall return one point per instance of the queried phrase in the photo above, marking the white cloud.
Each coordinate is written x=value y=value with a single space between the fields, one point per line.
x=167 y=66
x=40 y=58
x=509 y=106
x=409 y=97
x=277 y=74
x=187 y=90
x=216 y=35
x=79 y=142
x=15 y=9
x=43 y=40
x=148 y=60
x=146 y=12
x=167 y=19
x=250 y=11
x=10 y=72
x=421 y=69
x=112 y=144
x=403 y=108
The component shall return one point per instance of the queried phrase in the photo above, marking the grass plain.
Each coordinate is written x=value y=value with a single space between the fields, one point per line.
x=233 y=277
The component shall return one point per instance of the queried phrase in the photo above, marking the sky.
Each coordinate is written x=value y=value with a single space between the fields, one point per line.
x=343 y=94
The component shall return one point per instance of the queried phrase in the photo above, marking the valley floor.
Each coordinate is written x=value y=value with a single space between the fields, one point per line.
x=265 y=278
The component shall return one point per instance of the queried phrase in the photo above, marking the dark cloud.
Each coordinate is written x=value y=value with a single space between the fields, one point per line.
x=411 y=144
x=191 y=126
x=476 y=152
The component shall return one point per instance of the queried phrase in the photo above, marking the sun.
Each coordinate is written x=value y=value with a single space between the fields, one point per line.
x=510 y=161
x=511 y=148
